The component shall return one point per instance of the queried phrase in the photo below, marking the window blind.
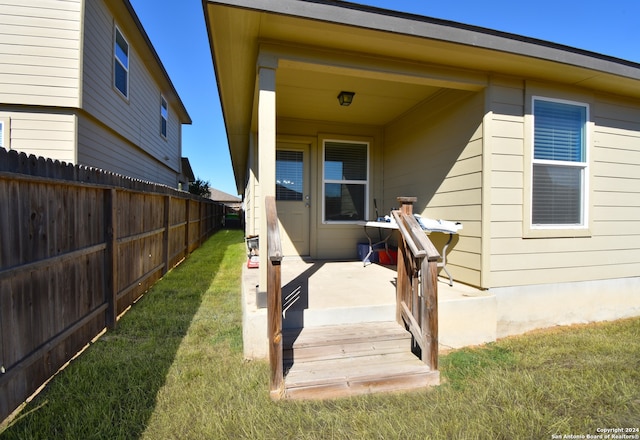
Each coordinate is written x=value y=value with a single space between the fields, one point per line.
x=559 y=131
x=557 y=195
x=345 y=162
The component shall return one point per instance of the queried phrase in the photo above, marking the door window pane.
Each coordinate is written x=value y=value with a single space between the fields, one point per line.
x=289 y=175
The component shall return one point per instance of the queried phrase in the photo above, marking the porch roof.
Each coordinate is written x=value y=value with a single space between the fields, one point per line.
x=392 y=60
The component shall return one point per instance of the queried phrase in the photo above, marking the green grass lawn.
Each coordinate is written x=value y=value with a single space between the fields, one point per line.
x=173 y=369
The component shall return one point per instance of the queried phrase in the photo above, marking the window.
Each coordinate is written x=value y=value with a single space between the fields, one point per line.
x=289 y=178
x=345 y=181
x=121 y=64
x=559 y=175
x=164 y=116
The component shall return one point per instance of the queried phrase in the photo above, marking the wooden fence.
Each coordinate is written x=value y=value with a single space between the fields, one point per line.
x=77 y=247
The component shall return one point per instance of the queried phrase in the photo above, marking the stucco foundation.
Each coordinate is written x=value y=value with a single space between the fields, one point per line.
x=521 y=309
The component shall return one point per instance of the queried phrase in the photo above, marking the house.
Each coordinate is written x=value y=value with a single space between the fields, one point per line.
x=80 y=82
x=337 y=109
x=228 y=200
x=232 y=207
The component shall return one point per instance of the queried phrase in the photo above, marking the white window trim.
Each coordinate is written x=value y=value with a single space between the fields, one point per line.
x=559 y=230
x=117 y=31
x=162 y=116
x=367 y=183
x=6 y=130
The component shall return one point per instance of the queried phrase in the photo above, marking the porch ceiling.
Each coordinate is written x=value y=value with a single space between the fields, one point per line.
x=313 y=96
x=376 y=41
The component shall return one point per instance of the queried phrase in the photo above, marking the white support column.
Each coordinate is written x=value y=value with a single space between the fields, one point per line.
x=266 y=156
x=252 y=191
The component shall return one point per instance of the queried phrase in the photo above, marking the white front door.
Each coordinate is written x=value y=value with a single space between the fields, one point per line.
x=292 y=197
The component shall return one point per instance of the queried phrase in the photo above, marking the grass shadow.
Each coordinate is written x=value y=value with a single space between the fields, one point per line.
x=110 y=391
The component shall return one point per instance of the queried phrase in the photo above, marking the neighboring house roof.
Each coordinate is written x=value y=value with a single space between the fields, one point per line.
x=396 y=59
x=149 y=55
x=223 y=197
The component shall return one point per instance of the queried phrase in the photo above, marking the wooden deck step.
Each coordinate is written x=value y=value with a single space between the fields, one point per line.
x=346 y=360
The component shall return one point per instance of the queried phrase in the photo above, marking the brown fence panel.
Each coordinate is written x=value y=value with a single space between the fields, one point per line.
x=51 y=280
x=177 y=249
x=193 y=226
x=139 y=242
x=71 y=240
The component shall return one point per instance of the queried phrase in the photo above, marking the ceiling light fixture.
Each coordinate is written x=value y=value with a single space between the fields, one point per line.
x=345 y=98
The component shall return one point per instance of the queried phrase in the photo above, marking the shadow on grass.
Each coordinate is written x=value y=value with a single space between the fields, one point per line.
x=110 y=390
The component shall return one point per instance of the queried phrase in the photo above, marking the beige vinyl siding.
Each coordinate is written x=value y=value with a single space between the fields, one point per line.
x=435 y=154
x=613 y=248
x=50 y=135
x=40 y=52
x=507 y=165
x=616 y=182
x=137 y=118
x=102 y=148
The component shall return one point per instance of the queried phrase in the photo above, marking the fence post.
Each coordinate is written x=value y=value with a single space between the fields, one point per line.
x=111 y=254
x=187 y=226
x=203 y=221
x=165 y=238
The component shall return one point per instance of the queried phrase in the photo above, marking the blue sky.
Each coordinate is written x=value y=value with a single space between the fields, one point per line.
x=178 y=33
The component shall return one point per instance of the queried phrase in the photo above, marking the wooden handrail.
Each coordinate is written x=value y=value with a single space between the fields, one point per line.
x=417 y=289
x=418 y=242
x=274 y=299
x=408 y=235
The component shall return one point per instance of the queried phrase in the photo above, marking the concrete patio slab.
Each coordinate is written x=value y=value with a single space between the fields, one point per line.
x=319 y=293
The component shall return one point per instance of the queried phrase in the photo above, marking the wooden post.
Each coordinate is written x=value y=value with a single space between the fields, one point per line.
x=274 y=311
x=404 y=262
x=429 y=316
x=401 y=282
x=111 y=255
x=274 y=299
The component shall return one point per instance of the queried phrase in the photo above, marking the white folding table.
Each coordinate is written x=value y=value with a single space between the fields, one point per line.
x=383 y=236
x=428 y=225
